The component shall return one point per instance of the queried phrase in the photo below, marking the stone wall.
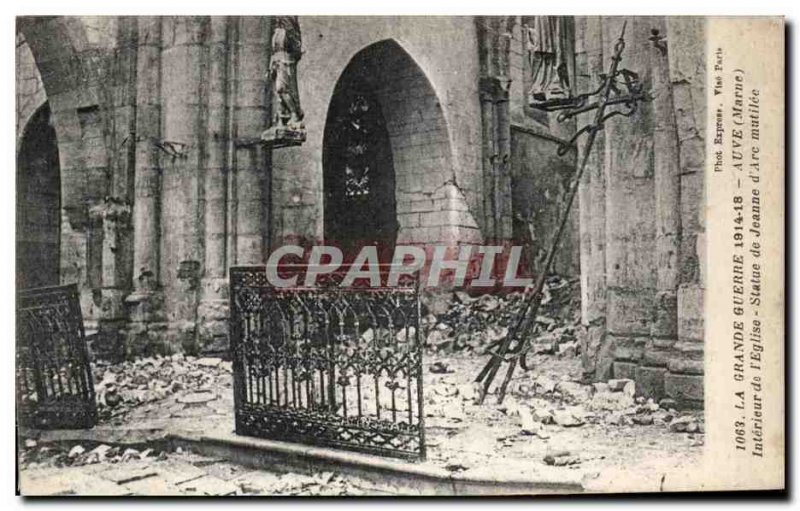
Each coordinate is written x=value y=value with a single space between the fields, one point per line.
x=540 y=179
x=641 y=210
x=524 y=179
x=165 y=185
x=29 y=89
x=429 y=98
x=82 y=75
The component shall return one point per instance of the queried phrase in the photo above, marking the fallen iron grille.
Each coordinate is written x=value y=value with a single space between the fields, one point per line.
x=333 y=366
x=54 y=378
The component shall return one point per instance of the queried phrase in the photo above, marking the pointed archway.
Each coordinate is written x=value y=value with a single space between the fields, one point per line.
x=38 y=215
x=358 y=167
x=386 y=154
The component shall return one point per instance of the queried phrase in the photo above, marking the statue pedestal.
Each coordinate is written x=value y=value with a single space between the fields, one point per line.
x=283 y=136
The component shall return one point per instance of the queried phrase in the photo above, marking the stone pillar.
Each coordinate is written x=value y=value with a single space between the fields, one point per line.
x=664 y=328
x=686 y=40
x=182 y=162
x=502 y=128
x=145 y=302
x=592 y=205
x=642 y=244
x=630 y=202
x=494 y=86
x=213 y=308
x=251 y=173
x=112 y=216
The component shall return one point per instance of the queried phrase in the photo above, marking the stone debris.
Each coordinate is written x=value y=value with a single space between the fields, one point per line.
x=686 y=424
x=57 y=455
x=182 y=473
x=544 y=385
x=569 y=403
x=130 y=454
x=570 y=417
x=561 y=458
x=76 y=451
x=472 y=323
x=622 y=385
x=440 y=368
x=194 y=398
x=124 y=386
x=209 y=362
x=101 y=450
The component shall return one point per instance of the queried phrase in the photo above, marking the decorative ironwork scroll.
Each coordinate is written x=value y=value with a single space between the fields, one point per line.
x=328 y=365
x=54 y=379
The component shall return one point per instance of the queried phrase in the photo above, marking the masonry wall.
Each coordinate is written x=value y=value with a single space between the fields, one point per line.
x=29 y=88
x=640 y=213
x=429 y=99
x=540 y=176
x=540 y=179
x=164 y=181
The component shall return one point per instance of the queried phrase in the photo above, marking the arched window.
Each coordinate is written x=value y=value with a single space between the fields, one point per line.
x=38 y=204
x=359 y=173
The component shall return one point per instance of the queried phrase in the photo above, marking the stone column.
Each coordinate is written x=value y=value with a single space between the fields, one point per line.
x=590 y=39
x=145 y=302
x=213 y=308
x=686 y=40
x=251 y=178
x=494 y=86
x=182 y=162
x=112 y=236
x=664 y=329
x=503 y=132
x=630 y=203
x=112 y=216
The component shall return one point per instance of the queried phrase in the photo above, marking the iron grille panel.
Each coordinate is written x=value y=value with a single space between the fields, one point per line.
x=333 y=366
x=54 y=378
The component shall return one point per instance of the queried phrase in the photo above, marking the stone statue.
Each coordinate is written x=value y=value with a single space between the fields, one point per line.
x=547 y=45
x=286 y=53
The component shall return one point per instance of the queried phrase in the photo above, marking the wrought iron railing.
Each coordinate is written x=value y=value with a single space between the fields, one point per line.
x=54 y=378
x=328 y=365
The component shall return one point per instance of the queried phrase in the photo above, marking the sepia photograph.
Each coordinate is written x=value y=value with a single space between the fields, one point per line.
x=390 y=255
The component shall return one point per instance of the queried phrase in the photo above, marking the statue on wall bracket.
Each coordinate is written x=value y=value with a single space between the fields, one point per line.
x=287 y=128
x=547 y=47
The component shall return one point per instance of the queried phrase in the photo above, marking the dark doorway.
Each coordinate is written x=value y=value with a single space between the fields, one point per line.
x=358 y=170
x=38 y=204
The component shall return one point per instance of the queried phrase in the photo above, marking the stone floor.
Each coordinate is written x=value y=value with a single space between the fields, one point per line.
x=185 y=474
x=547 y=425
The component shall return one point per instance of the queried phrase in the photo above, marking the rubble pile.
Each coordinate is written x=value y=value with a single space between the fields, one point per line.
x=121 y=387
x=35 y=455
x=567 y=403
x=120 y=470
x=472 y=323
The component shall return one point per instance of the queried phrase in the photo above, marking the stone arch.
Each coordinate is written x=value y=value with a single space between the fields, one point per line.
x=70 y=57
x=38 y=204
x=418 y=139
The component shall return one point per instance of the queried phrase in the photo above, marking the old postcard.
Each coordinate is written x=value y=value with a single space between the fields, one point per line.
x=411 y=255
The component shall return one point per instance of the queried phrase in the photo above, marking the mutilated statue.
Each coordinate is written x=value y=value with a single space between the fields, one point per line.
x=286 y=53
x=546 y=41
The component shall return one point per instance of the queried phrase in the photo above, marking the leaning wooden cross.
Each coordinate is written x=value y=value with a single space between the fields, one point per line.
x=513 y=348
